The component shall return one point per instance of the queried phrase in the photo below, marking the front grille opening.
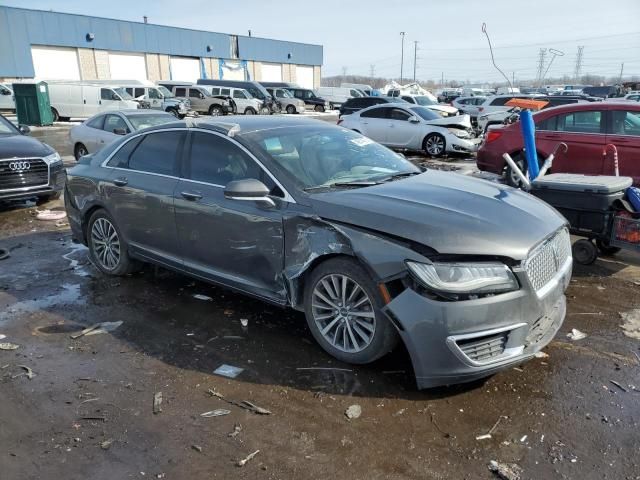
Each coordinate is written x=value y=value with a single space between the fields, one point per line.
x=23 y=173
x=482 y=349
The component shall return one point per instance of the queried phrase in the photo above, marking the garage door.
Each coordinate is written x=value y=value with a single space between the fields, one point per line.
x=304 y=76
x=185 y=69
x=55 y=63
x=271 y=72
x=233 y=70
x=125 y=66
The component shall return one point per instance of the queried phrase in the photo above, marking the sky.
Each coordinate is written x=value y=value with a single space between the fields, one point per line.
x=361 y=36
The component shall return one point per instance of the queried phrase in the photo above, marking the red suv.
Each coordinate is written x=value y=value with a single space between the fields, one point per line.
x=586 y=128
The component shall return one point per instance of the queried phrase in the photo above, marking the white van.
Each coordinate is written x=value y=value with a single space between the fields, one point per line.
x=82 y=100
x=363 y=87
x=7 y=102
x=507 y=90
x=245 y=103
x=336 y=96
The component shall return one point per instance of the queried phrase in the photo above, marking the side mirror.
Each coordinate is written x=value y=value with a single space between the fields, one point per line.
x=201 y=96
x=248 y=189
x=414 y=119
x=24 y=129
x=120 y=131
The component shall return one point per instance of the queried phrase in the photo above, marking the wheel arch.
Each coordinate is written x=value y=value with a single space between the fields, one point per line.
x=86 y=215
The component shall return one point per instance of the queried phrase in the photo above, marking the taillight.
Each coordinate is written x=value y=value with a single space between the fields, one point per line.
x=493 y=135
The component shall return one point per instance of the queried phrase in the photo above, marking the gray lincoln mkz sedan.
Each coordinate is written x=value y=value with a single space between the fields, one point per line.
x=470 y=275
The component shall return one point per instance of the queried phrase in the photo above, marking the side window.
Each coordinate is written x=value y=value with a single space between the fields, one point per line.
x=297 y=93
x=625 y=123
x=106 y=94
x=549 y=124
x=380 y=112
x=500 y=101
x=225 y=91
x=194 y=93
x=113 y=122
x=216 y=160
x=238 y=94
x=580 y=122
x=129 y=90
x=408 y=99
x=121 y=157
x=96 y=122
x=157 y=152
x=154 y=94
x=397 y=114
x=279 y=94
x=353 y=93
x=139 y=92
x=181 y=92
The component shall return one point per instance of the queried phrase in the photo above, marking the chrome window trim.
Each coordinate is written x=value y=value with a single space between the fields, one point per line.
x=287 y=196
x=32 y=187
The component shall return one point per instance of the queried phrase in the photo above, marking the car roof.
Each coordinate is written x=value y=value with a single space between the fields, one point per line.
x=577 y=107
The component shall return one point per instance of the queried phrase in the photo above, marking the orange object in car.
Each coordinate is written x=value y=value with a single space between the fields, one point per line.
x=626 y=228
x=527 y=103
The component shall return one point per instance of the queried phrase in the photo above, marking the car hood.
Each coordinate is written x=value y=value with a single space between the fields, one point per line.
x=22 y=146
x=449 y=212
x=442 y=108
x=459 y=121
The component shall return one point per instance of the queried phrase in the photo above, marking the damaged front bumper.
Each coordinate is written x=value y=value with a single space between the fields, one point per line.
x=462 y=145
x=461 y=341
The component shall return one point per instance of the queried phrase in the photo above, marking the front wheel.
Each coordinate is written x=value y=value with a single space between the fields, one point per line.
x=249 y=111
x=215 y=110
x=107 y=248
x=319 y=108
x=435 y=145
x=80 y=151
x=291 y=109
x=342 y=307
x=584 y=252
x=174 y=112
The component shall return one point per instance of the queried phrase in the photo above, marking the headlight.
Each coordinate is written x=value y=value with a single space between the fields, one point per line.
x=458 y=132
x=53 y=159
x=464 y=277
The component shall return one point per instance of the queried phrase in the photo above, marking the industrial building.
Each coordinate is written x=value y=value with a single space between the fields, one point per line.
x=62 y=46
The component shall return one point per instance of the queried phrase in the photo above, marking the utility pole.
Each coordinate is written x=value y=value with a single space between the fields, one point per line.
x=402 y=34
x=344 y=71
x=621 y=70
x=513 y=78
x=415 y=58
x=576 y=71
x=372 y=71
x=541 y=56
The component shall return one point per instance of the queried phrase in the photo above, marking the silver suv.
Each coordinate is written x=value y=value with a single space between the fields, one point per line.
x=287 y=101
x=201 y=100
x=244 y=102
x=160 y=98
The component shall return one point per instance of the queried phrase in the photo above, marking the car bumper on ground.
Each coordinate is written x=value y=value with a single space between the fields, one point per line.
x=457 y=342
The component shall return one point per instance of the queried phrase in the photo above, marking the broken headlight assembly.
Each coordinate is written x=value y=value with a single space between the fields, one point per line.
x=458 y=132
x=460 y=280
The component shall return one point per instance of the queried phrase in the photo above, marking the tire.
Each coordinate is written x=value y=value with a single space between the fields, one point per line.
x=361 y=337
x=605 y=248
x=250 y=111
x=79 y=151
x=55 y=114
x=97 y=229
x=435 y=145
x=291 y=109
x=519 y=159
x=215 y=110
x=584 y=252
x=332 y=106
x=319 y=108
x=265 y=111
x=173 y=111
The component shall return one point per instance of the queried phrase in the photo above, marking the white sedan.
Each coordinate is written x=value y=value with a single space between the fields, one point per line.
x=412 y=127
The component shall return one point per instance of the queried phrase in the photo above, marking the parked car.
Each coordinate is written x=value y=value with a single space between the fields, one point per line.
x=310 y=99
x=159 y=98
x=634 y=97
x=609 y=91
x=412 y=127
x=469 y=275
x=585 y=127
x=243 y=102
x=448 y=96
x=469 y=105
x=336 y=96
x=28 y=167
x=363 y=87
x=356 y=104
x=424 y=101
x=413 y=91
x=82 y=100
x=102 y=129
x=201 y=100
x=254 y=88
x=7 y=102
x=287 y=101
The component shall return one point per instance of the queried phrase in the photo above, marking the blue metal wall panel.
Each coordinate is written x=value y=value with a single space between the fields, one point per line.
x=20 y=28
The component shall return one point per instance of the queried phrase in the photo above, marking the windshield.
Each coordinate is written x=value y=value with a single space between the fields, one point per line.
x=124 y=95
x=319 y=156
x=286 y=93
x=422 y=100
x=256 y=93
x=151 y=120
x=6 y=127
x=166 y=92
x=425 y=113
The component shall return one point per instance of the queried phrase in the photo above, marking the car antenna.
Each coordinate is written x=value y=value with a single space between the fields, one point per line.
x=484 y=30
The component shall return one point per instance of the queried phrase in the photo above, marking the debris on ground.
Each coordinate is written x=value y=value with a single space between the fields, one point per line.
x=576 y=334
x=541 y=355
x=197 y=448
x=523 y=439
x=2 y=337
x=399 y=412
x=215 y=413
x=243 y=462
x=247 y=405
x=28 y=372
x=487 y=435
x=631 y=325
x=9 y=346
x=505 y=471
x=618 y=385
x=98 y=328
x=4 y=253
x=157 y=402
x=106 y=444
x=205 y=298
x=237 y=428
x=228 y=371
x=354 y=411
x=325 y=368
x=48 y=214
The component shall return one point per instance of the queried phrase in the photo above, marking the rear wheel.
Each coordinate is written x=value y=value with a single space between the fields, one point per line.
x=342 y=307
x=250 y=111
x=215 y=110
x=54 y=114
x=80 y=151
x=584 y=252
x=319 y=108
x=435 y=145
x=291 y=109
x=519 y=159
x=174 y=112
x=107 y=247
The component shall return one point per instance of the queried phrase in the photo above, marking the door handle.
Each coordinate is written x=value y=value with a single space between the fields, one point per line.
x=120 y=182
x=191 y=196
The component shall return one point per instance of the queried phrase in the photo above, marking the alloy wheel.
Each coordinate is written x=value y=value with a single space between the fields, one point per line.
x=343 y=313
x=435 y=145
x=106 y=244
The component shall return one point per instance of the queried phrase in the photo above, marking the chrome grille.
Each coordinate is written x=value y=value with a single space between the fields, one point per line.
x=545 y=261
x=21 y=173
x=481 y=349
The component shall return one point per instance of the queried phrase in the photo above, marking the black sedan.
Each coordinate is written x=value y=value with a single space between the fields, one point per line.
x=470 y=275
x=357 y=104
x=28 y=167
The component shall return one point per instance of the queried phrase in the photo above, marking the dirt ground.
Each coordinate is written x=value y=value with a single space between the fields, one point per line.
x=88 y=413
